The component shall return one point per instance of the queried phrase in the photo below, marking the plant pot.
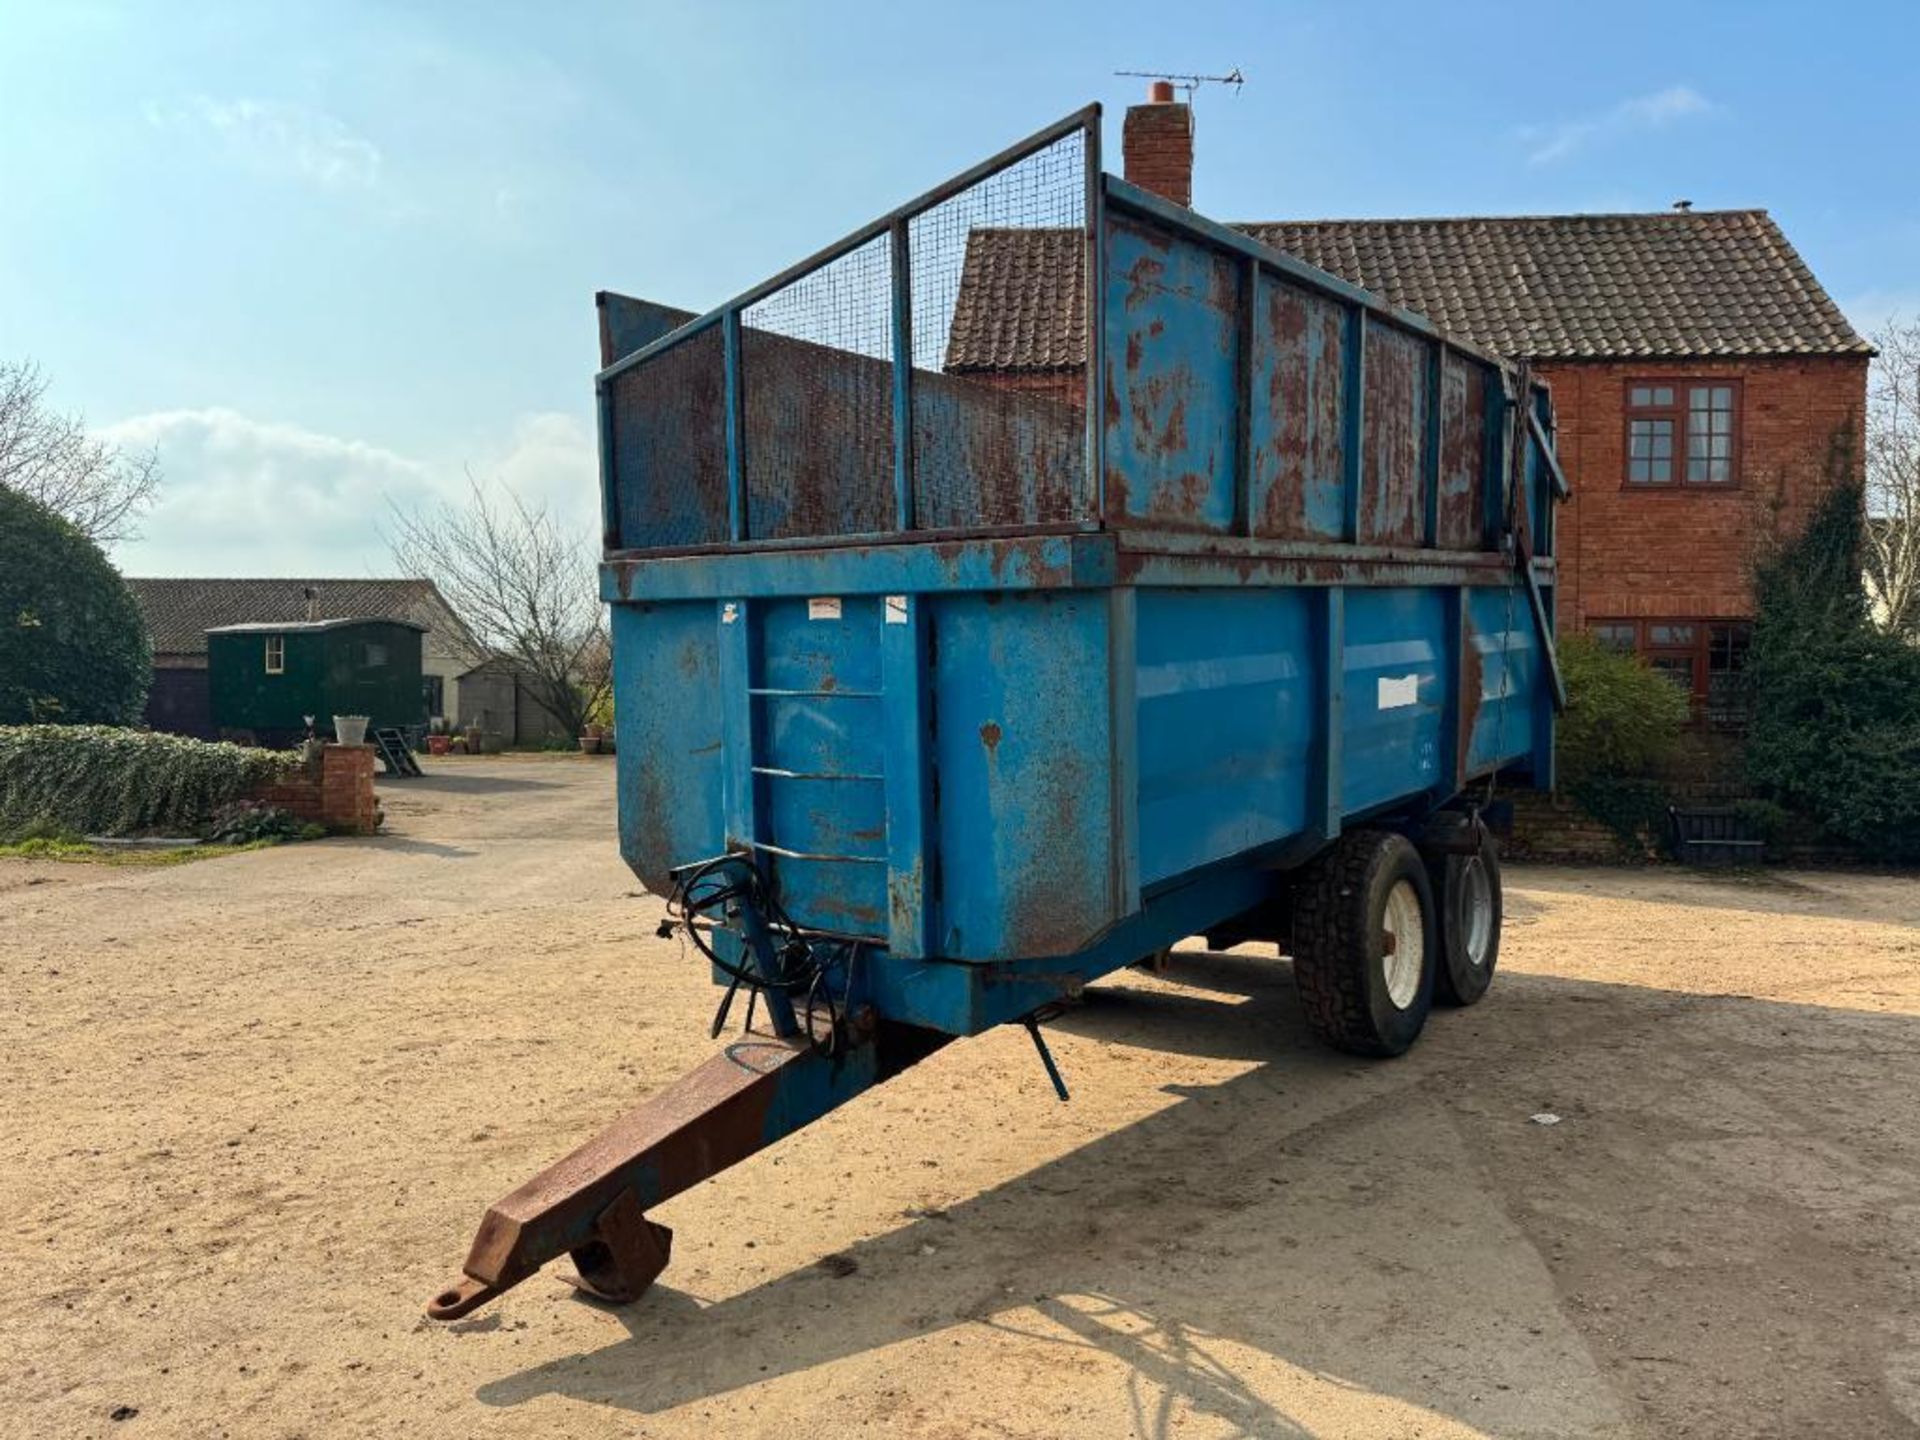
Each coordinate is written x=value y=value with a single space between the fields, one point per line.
x=350 y=729
x=589 y=744
x=439 y=744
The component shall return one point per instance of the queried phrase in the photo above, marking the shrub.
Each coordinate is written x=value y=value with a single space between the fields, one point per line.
x=102 y=780
x=1622 y=718
x=1633 y=808
x=73 y=647
x=1835 y=732
x=243 y=822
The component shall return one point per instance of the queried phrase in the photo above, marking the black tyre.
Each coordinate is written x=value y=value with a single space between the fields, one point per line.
x=1468 y=887
x=1366 y=944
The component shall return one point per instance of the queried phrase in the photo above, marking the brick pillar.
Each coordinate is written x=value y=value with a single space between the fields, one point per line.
x=1156 y=145
x=346 y=789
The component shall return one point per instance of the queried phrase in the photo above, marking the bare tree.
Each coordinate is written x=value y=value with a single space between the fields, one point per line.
x=1893 y=479
x=51 y=458
x=527 y=588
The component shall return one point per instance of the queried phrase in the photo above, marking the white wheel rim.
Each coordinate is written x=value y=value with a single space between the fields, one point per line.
x=1403 y=956
x=1476 y=901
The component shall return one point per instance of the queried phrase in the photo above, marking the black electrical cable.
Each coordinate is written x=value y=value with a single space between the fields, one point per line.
x=804 y=962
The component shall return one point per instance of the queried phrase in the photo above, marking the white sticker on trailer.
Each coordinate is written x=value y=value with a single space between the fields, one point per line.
x=823 y=607
x=1398 y=690
x=896 y=609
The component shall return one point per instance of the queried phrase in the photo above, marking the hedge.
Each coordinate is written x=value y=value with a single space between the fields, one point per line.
x=73 y=648
x=102 y=780
x=1835 y=733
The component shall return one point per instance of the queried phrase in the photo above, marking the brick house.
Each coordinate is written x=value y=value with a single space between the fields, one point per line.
x=1707 y=389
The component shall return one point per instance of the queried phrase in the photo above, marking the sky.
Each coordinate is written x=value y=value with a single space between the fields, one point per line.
x=331 y=257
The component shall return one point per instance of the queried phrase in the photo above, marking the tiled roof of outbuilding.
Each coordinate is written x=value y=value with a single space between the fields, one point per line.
x=1020 y=306
x=180 y=612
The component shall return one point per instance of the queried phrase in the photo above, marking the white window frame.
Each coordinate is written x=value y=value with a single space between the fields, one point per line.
x=276 y=654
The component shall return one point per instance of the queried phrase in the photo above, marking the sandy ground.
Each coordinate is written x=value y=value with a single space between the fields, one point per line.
x=254 y=1107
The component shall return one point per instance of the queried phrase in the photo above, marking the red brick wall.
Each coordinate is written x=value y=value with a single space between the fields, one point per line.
x=340 y=797
x=1156 y=145
x=1680 y=551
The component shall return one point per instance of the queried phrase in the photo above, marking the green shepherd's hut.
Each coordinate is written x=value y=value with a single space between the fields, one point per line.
x=263 y=680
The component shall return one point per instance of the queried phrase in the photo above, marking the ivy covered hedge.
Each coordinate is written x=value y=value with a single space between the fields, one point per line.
x=102 y=780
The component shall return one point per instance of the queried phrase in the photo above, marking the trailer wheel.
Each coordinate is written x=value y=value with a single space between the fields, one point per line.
x=1366 y=944
x=1470 y=909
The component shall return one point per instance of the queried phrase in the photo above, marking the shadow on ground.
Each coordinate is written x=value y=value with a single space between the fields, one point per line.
x=1414 y=1235
x=440 y=783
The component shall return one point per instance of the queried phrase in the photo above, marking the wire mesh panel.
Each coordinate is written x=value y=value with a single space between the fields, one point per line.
x=670 y=446
x=816 y=376
x=986 y=410
x=999 y=383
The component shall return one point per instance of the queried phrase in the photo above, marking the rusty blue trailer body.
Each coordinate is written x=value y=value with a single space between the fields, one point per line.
x=1002 y=595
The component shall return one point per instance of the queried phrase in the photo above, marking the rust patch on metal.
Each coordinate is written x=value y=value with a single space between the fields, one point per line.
x=1040 y=924
x=996 y=453
x=1392 y=508
x=1472 y=680
x=1463 y=453
x=990 y=737
x=1297 y=462
x=711 y=1118
x=1223 y=293
x=1144 y=275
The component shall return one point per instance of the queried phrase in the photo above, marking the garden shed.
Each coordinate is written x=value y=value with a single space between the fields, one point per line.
x=263 y=680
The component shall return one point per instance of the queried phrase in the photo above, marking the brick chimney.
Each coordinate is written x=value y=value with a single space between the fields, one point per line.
x=1156 y=145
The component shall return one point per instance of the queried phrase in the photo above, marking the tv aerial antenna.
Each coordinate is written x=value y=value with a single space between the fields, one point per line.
x=1233 y=79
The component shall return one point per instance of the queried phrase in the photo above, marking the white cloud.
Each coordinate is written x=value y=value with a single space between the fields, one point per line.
x=246 y=497
x=241 y=496
x=1655 y=111
x=278 y=138
x=553 y=458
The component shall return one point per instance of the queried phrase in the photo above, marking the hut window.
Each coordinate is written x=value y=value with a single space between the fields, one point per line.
x=373 y=654
x=276 y=654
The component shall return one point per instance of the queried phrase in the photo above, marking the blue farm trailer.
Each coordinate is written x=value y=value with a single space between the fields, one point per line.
x=1039 y=576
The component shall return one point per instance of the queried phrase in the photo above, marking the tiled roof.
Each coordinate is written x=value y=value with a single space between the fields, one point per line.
x=180 y=612
x=1677 y=284
x=1019 y=304
x=1683 y=283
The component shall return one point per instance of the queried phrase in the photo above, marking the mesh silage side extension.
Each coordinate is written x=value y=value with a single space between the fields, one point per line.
x=1000 y=378
x=669 y=419
x=988 y=328
x=816 y=364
